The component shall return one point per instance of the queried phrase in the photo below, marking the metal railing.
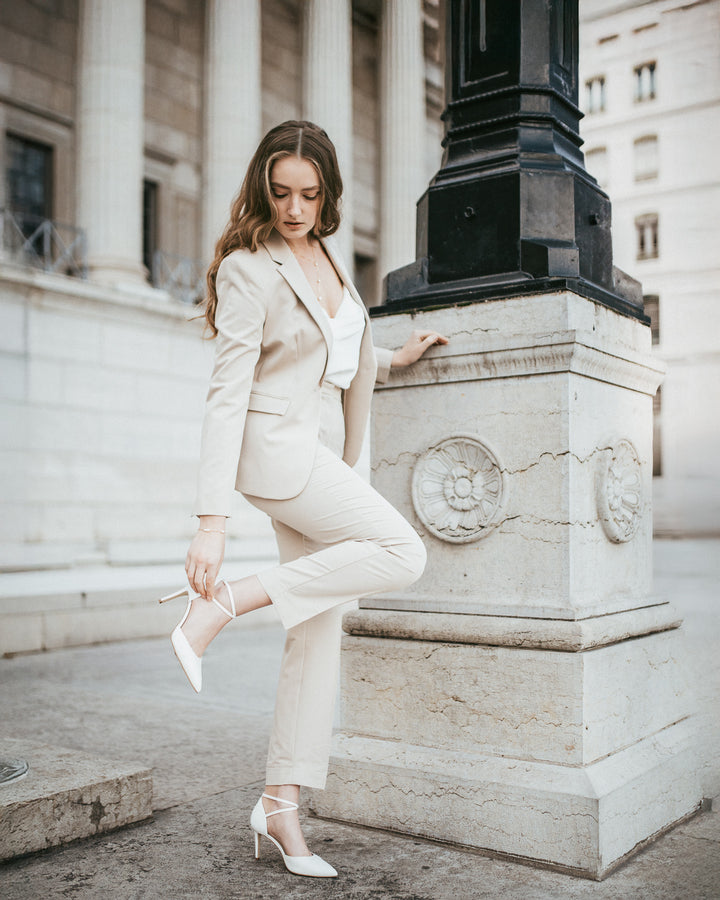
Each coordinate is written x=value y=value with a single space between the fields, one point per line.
x=180 y=276
x=27 y=240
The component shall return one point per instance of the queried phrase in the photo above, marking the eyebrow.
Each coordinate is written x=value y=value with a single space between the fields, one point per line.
x=276 y=184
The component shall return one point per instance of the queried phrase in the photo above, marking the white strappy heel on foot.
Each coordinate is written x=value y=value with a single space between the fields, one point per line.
x=190 y=662
x=314 y=865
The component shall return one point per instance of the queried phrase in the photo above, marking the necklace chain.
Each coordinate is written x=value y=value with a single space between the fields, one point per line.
x=317 y=269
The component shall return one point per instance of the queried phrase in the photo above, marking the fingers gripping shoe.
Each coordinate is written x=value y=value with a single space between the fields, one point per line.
x=188 y=659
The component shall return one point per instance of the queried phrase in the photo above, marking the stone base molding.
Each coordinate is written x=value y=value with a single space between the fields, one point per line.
x=584 y=821
x=570 y=635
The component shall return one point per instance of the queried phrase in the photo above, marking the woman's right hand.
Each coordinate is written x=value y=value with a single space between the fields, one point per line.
x=205 y=555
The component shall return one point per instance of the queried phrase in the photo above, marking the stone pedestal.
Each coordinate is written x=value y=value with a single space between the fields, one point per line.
x=524 y=697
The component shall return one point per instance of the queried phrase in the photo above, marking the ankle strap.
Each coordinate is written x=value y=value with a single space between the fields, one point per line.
x=230 y=615
x=289 y=808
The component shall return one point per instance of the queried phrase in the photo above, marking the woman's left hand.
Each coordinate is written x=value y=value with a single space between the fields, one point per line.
x=415 y=346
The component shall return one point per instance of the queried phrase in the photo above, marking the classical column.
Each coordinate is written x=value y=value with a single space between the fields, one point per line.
x=327 y=92
x=402 y=112
x=110 y=138
x=232 y=107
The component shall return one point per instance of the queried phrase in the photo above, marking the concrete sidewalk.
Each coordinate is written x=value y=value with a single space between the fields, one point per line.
x=130 y=702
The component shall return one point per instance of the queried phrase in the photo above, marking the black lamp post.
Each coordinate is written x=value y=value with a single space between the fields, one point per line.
x=512 y=209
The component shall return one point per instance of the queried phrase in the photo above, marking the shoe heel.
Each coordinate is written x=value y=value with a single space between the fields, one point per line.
x=181 y=593
x=257 y=845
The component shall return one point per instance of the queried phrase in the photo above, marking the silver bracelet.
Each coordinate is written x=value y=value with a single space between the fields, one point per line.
x=211 y=530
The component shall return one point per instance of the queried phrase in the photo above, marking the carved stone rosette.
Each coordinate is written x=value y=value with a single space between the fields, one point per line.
x=619 y=492
x=458 y=489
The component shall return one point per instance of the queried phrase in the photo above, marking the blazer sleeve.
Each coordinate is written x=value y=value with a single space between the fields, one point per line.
x=384 y=361
x=239 y=318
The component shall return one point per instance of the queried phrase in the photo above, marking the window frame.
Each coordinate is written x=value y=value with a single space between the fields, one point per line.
x=591 y=108
x=638 y=95
x=642 y=223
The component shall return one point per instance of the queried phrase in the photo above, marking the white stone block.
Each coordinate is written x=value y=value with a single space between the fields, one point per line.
x=63 y=429
x=12 y=323
x=99 y=387
x=119 y=622
x=74 y=521
x=13 y=426
x=13 y=377
x=67 y=795
x=64 y=334
x=46 y=381
x=584 y=820
x=20 y=633
x=567 y=708
x=134 y=346
x=12 y=471
x=171 y=397
x=551 y=389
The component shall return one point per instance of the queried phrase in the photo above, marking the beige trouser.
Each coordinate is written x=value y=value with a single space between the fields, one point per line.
x=338 y=540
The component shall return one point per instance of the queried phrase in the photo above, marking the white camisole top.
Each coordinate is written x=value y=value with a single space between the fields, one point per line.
x=347 y=330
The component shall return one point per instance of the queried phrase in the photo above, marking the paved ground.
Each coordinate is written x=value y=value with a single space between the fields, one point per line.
x=129 y=701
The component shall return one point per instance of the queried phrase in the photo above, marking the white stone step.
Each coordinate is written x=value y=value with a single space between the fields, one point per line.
x=67 y=795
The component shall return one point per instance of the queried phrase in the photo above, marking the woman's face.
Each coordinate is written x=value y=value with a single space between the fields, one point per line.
x=295 y=188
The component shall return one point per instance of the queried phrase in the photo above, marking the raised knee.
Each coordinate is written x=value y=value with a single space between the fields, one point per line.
x=414 y=558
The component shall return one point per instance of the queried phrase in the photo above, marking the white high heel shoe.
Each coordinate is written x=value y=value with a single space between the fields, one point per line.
x=190 y=662
x=314 y=865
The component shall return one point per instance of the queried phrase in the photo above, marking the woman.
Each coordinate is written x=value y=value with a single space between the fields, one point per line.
x=286 y=411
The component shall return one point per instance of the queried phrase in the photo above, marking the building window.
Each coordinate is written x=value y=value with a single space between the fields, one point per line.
x=150 y=223
x=29 y=181
x=645 y=82
x=645 y=157
x=657 y=433
x=651 y=305
x=595 y=92
x=647 y=236
x=596 y=162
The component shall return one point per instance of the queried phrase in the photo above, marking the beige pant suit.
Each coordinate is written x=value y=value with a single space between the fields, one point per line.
x=275 y=430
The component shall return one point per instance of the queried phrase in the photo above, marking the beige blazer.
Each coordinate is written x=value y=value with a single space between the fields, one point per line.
x=262 y=413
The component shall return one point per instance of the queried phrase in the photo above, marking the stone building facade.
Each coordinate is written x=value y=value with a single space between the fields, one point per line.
x=126 y=128
x=124 y=131
x=650 y=72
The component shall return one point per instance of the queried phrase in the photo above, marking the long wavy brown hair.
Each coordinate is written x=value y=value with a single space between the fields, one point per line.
x=253 y=214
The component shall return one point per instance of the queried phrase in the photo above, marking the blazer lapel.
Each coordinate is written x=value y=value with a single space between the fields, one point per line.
x=331 y=246
x=290 y=270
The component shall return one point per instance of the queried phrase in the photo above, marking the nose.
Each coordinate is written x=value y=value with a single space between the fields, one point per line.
x=294 y=209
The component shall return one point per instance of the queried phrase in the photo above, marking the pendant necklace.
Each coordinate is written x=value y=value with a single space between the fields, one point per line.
x=314 y=261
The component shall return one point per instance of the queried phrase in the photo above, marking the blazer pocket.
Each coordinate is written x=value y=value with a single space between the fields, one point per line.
x=268 y=403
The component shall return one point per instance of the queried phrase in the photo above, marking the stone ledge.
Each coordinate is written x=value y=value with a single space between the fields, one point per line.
x=512 y=631
x=68 y=795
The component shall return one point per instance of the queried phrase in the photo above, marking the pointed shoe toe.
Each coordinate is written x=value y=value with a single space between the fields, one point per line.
x=314 y=866
x=191 y=664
